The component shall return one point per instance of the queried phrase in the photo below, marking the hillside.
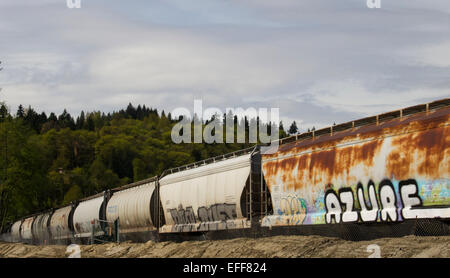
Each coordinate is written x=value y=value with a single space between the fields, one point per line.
x=49 y=161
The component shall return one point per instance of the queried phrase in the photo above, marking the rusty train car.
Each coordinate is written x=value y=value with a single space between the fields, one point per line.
x=387 y=168
x=380 y=175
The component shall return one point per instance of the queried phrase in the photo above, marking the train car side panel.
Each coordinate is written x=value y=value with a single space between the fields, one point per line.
x=396 y=170
x=205 y=198
x=59 y=223
x=15 y=231
x=85 y=214
x=132 y=207
x=25 y=230
x=40 y=229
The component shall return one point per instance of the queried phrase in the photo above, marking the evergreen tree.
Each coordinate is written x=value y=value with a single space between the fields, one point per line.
x=139 y=113
x=80 y=120
x=20 y=112
x=293 y=129
x=131 y=111
x=3 y=112
x=66 y=121
x=282 y=132
x=52 y=117
x=90 y=125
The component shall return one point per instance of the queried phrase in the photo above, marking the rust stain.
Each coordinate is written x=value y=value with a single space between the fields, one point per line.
x=422 y=153
x=417 y=145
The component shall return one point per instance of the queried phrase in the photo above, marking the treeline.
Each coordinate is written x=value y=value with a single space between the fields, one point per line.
x=48 y=161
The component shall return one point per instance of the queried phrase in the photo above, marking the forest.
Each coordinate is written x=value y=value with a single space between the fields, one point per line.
x=48 y=161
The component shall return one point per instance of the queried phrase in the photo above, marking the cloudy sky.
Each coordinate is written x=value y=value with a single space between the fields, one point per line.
x=318 y=61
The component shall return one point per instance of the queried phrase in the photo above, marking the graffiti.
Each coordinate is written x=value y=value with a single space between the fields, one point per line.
x=182 y=216
x=369 y=211
x=387 y=201
x=210 y=218
x=218 y=212
x=294 y=209
x=289 y=210
x=341 y=206
x=435 y=193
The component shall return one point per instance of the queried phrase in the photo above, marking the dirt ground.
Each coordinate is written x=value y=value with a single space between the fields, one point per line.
x=270 y=247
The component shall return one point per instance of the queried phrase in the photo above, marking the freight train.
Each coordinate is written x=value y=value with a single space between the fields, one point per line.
x=377 y=176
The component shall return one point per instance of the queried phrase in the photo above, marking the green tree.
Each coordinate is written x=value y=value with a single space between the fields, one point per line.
x=102 y=178
x=293 y=129
x=73 y=194
x=53 y=161
x=139 y=171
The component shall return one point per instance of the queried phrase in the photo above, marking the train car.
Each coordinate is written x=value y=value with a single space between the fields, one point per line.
x=384 y=169
x=15 y=231
x=61 y=224
x=89 y=217
x=132 y=205
x=40 y=228
x=26 y=231
x=378 y=173
x=211 y=195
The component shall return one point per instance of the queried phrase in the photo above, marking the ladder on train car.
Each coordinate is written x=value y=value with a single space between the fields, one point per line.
x=110 y=233
x=257 y=195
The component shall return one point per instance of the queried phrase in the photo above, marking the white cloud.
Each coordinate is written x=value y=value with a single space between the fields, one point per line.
x=437 y=55
x=352 y=95
x=318 y=61
x=185 y=65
